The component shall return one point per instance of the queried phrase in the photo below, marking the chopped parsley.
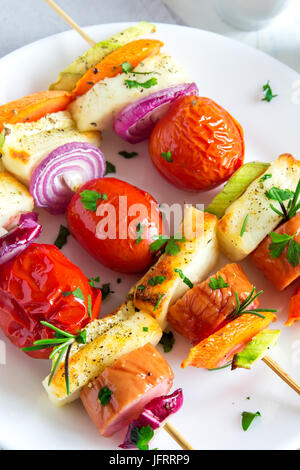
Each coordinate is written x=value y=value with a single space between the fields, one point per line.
x=93 y=280
x=247 y=418
x=106 y=290
x=62 y=237
x=110 y=168
x=142 y=436
x=154 y=281
x=279 y=242
x=76 y=293
x=217 y=283
x=104 y=395
x=268 y=94
x=145 y=328
x=265 y=177
x=135 y=84
x=128 y=155
x=172 y=248
x=160 y=297
x=243 y=229
x=185 y=279
x=141 y=287
x=127 y=67
x=139 y=233
x=167 y=341
x=167 y=156
x=89 y=199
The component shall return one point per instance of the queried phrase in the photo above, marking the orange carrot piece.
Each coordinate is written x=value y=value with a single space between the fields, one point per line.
x=220 y=347
x=33 y=107
x=278 y=270
x=294 y=308
x=133 y=52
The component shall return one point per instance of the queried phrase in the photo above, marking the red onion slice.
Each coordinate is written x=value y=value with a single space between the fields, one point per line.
x=17 y=239
x=60 y=174
x=136 y=121
x=154 y=413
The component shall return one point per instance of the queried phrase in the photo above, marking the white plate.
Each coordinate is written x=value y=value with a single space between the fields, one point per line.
x=232 y=74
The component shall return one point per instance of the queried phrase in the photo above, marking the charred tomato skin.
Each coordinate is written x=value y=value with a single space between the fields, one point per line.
x=37 y=285
x=122 y=253
x=205 y=144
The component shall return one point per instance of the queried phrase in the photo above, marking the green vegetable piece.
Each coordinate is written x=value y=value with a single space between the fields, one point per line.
x=235 y=187
x=256 y=349
x=247 y=418
x=68 y=78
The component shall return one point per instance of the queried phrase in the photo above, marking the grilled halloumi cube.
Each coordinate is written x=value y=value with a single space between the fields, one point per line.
x=253 y=209
x=97 y=108
x=197 y=256
x=26 y=144
x=14 y=199
x=107 y=339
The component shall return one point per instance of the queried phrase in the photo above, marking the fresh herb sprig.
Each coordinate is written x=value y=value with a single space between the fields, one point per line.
x=279 y=242
x=242 y=308
x=62 y=344
x=281 y=195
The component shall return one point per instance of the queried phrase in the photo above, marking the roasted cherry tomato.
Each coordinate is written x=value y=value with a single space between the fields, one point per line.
x=197 y=145
x=113 y=221
x=42 y=284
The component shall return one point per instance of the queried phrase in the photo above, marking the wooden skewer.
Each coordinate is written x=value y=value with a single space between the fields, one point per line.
x=70 y=22
x=177 y=437
x=167 y=426
x=281 y=373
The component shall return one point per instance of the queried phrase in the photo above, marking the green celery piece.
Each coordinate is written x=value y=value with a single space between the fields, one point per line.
x=256 y=349
x=235 y=187
x=68 y=78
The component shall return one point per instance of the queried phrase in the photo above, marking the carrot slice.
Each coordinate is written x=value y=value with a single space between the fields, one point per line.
x=133 y=53
x=33 y=107
x=220 y=347
x=278 y=270
x=294 y=308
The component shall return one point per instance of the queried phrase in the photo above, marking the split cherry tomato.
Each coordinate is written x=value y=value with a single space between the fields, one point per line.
x=113 y=221
x=42 y=284
x=197 y=144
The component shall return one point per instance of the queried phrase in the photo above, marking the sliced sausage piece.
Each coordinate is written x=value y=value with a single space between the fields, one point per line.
x=202 y=310
x=279 y=270
x=134 y=380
